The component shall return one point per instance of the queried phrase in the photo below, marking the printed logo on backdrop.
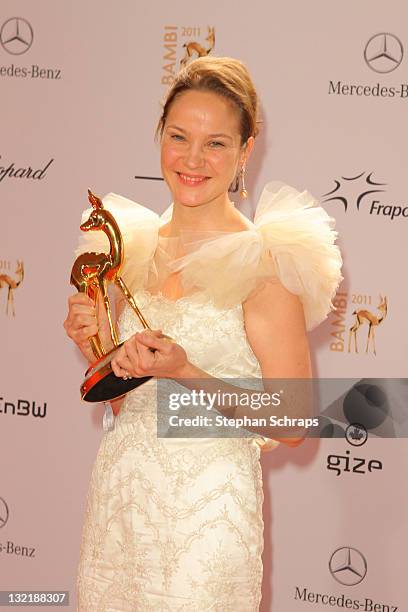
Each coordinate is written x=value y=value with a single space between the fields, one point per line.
x=22 y=407
x=359 y=194
x=356 y=435
x=348 y=567
x=11 y=170
x=11 y=278
x=356 y=326
x=382 y=53
x=182 y=44
x=16 y=38
x=4 y=512
x=9 y=547
x=16 y=35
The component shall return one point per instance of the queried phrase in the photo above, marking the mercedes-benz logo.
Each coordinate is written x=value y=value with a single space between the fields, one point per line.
x=16 y=35
x=348 y=566
x=383 y=52
x=356 y=434
x=4 y=512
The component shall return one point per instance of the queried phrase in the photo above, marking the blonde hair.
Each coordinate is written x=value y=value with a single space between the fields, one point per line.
x=225 y=76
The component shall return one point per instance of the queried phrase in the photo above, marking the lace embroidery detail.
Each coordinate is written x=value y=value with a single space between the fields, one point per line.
x=175 y=524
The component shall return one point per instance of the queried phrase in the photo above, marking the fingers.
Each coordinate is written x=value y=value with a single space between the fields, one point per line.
x=149 y=353
x=147 y=356
x=128 y=362
x=80 y=336
x=159 y=355
x=132 y=355
x=81 y=322
x=121 y=364
x=153 y=339
x=80 y=298
x=134 y=358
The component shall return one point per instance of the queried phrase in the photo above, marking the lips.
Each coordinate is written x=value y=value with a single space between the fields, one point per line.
x=193 y=180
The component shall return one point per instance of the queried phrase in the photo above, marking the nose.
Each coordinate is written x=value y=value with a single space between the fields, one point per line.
x=194 y=156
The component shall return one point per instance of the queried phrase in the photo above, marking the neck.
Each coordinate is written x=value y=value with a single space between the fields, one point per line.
x=220 y=214
x=111 y=229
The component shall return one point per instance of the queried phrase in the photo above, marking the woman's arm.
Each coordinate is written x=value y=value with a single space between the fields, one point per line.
x=84 y=320
x=275 y=327
x=276 y=331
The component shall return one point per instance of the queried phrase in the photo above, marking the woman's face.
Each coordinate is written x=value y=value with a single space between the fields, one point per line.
x=201 y=148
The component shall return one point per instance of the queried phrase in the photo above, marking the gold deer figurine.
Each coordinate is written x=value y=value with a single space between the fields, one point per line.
x=372 y=320
x=11 y=283
x=91 y=272
x=195 y=47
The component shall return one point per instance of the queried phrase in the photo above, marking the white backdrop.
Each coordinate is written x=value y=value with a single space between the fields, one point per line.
x=81 y=85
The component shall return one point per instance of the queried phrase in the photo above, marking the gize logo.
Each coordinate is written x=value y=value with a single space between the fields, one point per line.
x=355 y=465
x=356 y=435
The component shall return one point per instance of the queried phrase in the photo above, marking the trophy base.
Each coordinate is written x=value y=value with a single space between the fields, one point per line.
x=101 y=384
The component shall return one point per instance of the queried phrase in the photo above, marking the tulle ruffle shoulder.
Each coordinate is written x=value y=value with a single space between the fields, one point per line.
x=139 y=227
x=291 y=240
x=299 y=236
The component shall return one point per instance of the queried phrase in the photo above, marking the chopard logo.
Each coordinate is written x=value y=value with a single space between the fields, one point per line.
x=11 y=171
x=348 y=566
x=16 y=36
x=383 y=52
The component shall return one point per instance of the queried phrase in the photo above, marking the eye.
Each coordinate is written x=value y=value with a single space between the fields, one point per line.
x=177 y=137
x=216 y=144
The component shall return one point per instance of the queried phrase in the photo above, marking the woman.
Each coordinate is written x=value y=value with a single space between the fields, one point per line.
x=176 y=524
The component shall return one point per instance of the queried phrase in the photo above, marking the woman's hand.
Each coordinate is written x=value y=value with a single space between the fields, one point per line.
x=85 y=320
x=81 y=322
x=135 y=357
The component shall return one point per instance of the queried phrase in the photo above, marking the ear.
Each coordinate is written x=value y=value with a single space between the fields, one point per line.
x=94 y=200
x=247 y=150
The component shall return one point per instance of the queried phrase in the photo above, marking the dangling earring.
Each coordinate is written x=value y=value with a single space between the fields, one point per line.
x=243 y=193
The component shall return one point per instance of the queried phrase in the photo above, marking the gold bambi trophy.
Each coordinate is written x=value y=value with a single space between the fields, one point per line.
x=91 y=274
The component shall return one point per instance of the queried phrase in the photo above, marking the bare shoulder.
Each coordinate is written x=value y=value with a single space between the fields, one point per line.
x=276 y=331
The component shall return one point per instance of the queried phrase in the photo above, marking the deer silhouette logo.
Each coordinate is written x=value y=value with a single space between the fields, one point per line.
x=12 y=284
x=365 y=316
x=194 y=48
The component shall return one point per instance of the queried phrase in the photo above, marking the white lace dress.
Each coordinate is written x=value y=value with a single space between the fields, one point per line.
x=176 y=524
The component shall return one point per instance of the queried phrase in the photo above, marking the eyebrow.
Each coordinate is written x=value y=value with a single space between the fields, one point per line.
x=218 y=135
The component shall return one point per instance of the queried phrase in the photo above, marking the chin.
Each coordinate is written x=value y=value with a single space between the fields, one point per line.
x=190 y=199
x=189 y=203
